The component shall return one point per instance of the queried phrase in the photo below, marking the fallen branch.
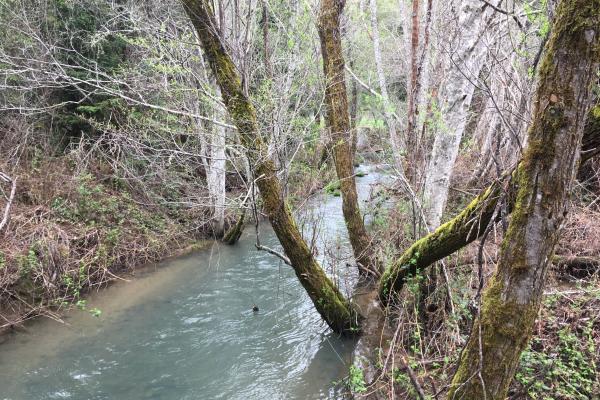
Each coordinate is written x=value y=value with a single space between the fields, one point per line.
x=275 y=253
x=413 y=378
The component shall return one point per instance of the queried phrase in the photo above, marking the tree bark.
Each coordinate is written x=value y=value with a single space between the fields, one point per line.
x=512 y=299
x=338 y=122
x=471 y=222
x=337 y=312
x=216 y=175
x=413 y=91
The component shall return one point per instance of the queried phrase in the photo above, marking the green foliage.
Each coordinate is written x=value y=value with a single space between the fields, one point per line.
x=79 y=30
x=96 y=207
x=403 y=380
x=333 y=188
x=538 y=17
x=567 y=373
x=356 y=380
x=95 y=312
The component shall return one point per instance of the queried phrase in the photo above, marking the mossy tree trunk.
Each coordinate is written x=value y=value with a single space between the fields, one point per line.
x=512 y=299
x=338 y=122
x=471 y=222
x=337 y=311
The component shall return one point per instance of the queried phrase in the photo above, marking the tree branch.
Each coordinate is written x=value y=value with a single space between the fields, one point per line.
x=275 y=253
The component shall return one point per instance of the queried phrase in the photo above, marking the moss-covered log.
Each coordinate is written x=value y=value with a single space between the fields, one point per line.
x=512 y=299
x=338 y=122
x=445 y=240
x=335 y=309
x=471 y=222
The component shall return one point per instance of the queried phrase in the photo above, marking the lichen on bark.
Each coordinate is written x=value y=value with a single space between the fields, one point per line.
x=471 y=222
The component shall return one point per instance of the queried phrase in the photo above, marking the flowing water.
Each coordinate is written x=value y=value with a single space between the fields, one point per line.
x=185 y=329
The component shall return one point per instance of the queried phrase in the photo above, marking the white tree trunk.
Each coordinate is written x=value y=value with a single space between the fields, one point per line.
x=216 y=178
x=464 y=66
x=388 y=108
x=215 y=166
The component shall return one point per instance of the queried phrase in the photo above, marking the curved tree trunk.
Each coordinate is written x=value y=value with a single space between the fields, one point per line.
x=512 y=299
x=471 y=222
x=337 y=312
x=338 y=122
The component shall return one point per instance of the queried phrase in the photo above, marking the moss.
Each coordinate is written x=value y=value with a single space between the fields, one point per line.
x=234 y=233
x=445 y=240
x=338 y=122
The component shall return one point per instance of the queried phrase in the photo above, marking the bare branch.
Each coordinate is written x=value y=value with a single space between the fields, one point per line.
x=275 y=253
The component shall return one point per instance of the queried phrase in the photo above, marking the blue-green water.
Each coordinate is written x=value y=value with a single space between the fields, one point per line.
x=185 y=330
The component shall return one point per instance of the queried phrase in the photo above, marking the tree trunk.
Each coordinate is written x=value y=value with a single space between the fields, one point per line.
x=413 y=91
x=512 y=299
x=455 y=100
x=337 y=312
x=338 y=122
x=233 y=234
x=216 y=176
x=471 y=222
x=398 y=146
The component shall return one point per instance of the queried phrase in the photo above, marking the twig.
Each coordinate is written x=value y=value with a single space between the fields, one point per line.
x=367 y=87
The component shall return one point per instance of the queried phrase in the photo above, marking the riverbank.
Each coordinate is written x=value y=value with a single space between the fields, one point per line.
x=74 y=231
x=189 y=328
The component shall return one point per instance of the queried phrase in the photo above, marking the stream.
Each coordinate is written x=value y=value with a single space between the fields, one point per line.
x=185 y=329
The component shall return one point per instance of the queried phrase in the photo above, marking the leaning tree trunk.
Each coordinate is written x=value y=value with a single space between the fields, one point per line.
x=511 y=301
x=471 y=222
x=338 y=122
x=464 y=65
x=337 y=312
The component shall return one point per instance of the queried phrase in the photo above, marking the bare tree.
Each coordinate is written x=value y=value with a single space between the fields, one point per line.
x=465 y=60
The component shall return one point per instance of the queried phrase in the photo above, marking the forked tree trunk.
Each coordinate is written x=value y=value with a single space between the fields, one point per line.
x=511 y=301
x=471 y=222
x=337 y=312
x=338 y=122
